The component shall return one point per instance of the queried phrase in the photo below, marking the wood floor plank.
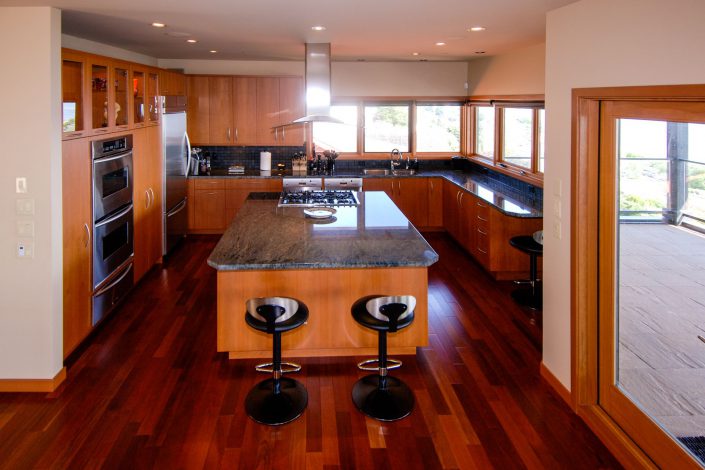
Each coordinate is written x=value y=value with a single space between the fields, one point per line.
x=149 y=390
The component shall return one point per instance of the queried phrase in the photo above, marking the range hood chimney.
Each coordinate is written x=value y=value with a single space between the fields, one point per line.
x=317 y=85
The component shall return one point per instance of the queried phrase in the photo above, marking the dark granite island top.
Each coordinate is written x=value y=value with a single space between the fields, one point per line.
x=269 y=251
x=374 y=234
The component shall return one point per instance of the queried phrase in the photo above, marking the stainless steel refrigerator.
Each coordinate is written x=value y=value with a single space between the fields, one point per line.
x=177 y=163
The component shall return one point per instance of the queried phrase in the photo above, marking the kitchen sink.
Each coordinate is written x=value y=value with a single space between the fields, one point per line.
x=402 y=172
x=375 y=171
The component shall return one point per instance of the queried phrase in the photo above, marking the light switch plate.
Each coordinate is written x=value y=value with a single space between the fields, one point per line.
x=25 y=250
x=25 y=228
x=21 y=185
x=24 y=206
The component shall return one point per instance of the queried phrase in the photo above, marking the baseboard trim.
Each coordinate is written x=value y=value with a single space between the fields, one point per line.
x=33 y=385
x=556 y=385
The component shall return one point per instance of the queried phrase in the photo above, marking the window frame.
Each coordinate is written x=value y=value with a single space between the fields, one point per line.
x=411 y=136
x=462 y=125
x=532 y=174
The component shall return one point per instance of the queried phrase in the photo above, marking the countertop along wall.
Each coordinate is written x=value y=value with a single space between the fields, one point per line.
x=601 y=43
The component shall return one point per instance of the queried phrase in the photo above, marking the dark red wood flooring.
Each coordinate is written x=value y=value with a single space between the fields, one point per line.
x=150 y=391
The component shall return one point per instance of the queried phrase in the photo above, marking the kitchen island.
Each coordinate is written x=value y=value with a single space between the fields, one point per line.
x=326 y=263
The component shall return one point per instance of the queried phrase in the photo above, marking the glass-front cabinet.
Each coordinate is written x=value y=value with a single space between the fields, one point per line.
x=120 y=91
x=153 y=96
x=138 y=96
x=99 y=75
x=72 y=91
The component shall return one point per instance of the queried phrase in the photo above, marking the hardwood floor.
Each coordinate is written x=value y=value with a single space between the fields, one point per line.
x=150 y=391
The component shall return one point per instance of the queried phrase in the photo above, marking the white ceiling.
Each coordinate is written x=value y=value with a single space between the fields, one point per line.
x=278 y=29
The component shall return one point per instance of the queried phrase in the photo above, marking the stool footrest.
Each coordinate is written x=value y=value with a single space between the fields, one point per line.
x=286 y=367
x=391 y=364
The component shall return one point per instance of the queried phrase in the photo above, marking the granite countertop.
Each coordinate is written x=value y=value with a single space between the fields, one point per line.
x=482 y=186
x=374 y=234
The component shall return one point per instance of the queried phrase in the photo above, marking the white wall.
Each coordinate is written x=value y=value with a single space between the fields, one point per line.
x=85 y=45
x=350 y=78
x=597 y=43
x=519 y=72
x=30 y=135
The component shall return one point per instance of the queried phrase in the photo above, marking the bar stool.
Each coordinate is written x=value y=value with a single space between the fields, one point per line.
x=531 y=297
x=277 y=400
x=379 y=395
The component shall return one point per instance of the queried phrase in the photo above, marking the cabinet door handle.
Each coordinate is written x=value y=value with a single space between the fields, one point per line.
x=431 y=183
x=236 y=135
x=276 y=133
x=88 y=235
x=228 y=137
x=151 y=192
x=461 y=198
x=283 y=134
x=147 y=201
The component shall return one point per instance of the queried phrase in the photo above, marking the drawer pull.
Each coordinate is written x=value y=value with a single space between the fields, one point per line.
x=481 y=250
x=481 y=205
x=483 y=219
x=480 y=230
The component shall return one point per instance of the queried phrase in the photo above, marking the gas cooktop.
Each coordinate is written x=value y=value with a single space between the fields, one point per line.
x=318 y=198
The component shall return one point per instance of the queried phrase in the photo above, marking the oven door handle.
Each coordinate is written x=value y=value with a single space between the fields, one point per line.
x=110 y=159
x=115 y=217
x=115 y=282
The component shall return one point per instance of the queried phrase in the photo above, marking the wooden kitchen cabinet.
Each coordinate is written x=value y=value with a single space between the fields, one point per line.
x=198 y=109
x=291 y=106
x=409 y=194
x=147 y=199
x=435 y=203
x=237 y=190
x=138 y=94
x=77 y=235
x=221 y=129
x=172 y=83
x=73 y=89
x=153 y=111
x=267 y=110
x=245 y=110
x=208 y=205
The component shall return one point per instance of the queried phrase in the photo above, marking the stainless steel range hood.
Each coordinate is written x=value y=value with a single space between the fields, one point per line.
x=317 y=85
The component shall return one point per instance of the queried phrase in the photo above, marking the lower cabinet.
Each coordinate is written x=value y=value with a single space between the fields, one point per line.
x=77 y=233
x=411 y=195
x=216 y=201
x=485 y=232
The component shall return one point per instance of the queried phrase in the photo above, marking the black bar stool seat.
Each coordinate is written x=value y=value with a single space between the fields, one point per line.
x=532 y=296
x=277 y=400
x=381 y=396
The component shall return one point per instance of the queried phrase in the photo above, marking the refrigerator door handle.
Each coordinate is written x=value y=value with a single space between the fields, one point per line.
x=188 y=154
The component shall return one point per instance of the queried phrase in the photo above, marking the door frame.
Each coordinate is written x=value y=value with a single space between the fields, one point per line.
x=585 y=235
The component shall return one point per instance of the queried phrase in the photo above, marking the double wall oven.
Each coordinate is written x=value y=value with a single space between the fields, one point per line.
x=112 y=223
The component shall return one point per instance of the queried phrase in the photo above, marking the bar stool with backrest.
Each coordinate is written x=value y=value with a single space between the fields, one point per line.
x=279 y=399
x=380 y=395
x=532 y=296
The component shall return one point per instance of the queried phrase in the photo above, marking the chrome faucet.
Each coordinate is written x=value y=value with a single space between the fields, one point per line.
x=398 y=154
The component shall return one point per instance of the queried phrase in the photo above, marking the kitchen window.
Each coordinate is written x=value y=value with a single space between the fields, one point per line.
x=508 y=136
x=387 y=127
x=438 y=127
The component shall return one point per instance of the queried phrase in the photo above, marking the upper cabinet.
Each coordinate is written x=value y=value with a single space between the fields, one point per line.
x=172 y=83
x=225 y=110
x=102 y=95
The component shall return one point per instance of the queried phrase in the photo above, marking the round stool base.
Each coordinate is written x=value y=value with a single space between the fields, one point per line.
x=266 y=406
x=390 y=403
x=524 y=298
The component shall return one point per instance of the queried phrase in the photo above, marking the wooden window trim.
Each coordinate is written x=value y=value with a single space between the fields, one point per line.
x=584 y=238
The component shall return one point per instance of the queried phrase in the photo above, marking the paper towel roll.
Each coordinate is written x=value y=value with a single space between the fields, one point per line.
x=265 y=161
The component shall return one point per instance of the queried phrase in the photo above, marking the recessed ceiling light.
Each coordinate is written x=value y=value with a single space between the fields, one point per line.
x=479 y=52
x=213 y=51
x=476 y=29
x=414 y=53
x=318 y=28
x=192 y=41
x=440 y=44
x=158 y=25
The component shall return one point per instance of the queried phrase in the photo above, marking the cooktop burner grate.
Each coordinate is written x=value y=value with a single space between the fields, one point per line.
x=318 y=198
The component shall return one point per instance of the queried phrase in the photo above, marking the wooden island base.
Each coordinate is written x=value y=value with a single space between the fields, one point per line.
x=329 y=294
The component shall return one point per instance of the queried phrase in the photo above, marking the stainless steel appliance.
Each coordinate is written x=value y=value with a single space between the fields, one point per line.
x=302 y=184
x=354 y=184
x=112 y=175
x=318 y=198
x=178 y=162
x=113 y=221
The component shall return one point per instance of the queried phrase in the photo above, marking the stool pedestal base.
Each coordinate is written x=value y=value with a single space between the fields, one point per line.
x=388 y=401
x=275 y=402
x=526 y=298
